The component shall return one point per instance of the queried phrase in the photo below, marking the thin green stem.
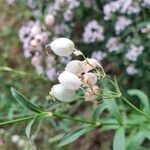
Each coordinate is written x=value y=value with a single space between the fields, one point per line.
x=16 y=120
x=74 y=119
x=135 y=108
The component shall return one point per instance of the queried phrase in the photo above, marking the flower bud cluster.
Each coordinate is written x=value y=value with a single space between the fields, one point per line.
x=77 y=75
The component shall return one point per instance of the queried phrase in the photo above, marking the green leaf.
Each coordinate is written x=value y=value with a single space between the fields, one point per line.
x=98 y=111
x=119 y=139
x=113 y=109
x=29 y=126
x=72 y=136
x=142 y=96
x=135 y=141
x=22 y=100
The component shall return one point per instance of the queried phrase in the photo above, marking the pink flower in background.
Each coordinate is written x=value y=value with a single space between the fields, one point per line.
x=93 y=32
x=113 y=44
x=131 y=70
x=98 y=55
x=134 y=52
x=121 y=24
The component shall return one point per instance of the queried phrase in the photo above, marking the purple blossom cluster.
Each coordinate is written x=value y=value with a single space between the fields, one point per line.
x=107 y=27
x=93 y=32
x=121 y=6
x=134 y=52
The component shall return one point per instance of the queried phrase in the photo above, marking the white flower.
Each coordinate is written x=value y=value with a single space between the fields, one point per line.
x=62 y=46
x=69 y=80
x=36 y=30
x=49 y=20
x=62 y=94
x=90 y=78
x=75 y=67
x=89 y=64
x=15 y=138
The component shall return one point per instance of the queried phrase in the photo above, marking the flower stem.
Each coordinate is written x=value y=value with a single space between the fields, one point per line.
x=135 y=108
x=74 y=119
x=16 y=120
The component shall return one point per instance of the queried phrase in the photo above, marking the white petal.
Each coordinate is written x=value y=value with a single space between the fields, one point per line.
x=69 y=80
x=62 y=94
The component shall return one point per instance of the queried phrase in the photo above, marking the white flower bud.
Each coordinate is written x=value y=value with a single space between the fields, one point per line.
x=89 y=96
x=90 y=78
x=69 y=80
x=89 y=64
x=62 y=94
x=15 y=138
x=49 y=20
x=36 y=30
x=75 y=67
x=77 y=53
x=62 y=47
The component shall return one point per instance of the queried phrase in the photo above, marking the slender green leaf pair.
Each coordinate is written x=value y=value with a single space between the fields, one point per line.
x=22 y=100
x=72 y=136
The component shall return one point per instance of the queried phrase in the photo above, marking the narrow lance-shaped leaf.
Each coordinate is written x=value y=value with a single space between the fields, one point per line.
x=22 y=100
x=29 y=126
x=142 y=96
x=119 y=139
x=113 y=109
x=74 y=135
x=98 y=111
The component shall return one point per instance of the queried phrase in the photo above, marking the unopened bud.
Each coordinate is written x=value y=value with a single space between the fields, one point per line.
x=69 y=80
x=62 y=94
x=75 y=67
x=62 y=46
x=49 y=20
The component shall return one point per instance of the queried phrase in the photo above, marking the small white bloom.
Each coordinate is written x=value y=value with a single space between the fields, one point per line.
x=62 y=94
x=36 y=30
x=90 y=78
x=89 y=64
x=75 y=67
x=69 y=80
x=49 y=20
x=62 y=47
x=15 y=138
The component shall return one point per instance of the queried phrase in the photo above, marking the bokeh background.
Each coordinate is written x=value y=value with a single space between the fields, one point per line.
x=116 y=33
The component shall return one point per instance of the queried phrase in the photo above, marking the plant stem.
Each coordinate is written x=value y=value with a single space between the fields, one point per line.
x=135 y=108
x=74 y=119
x=16 y=120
